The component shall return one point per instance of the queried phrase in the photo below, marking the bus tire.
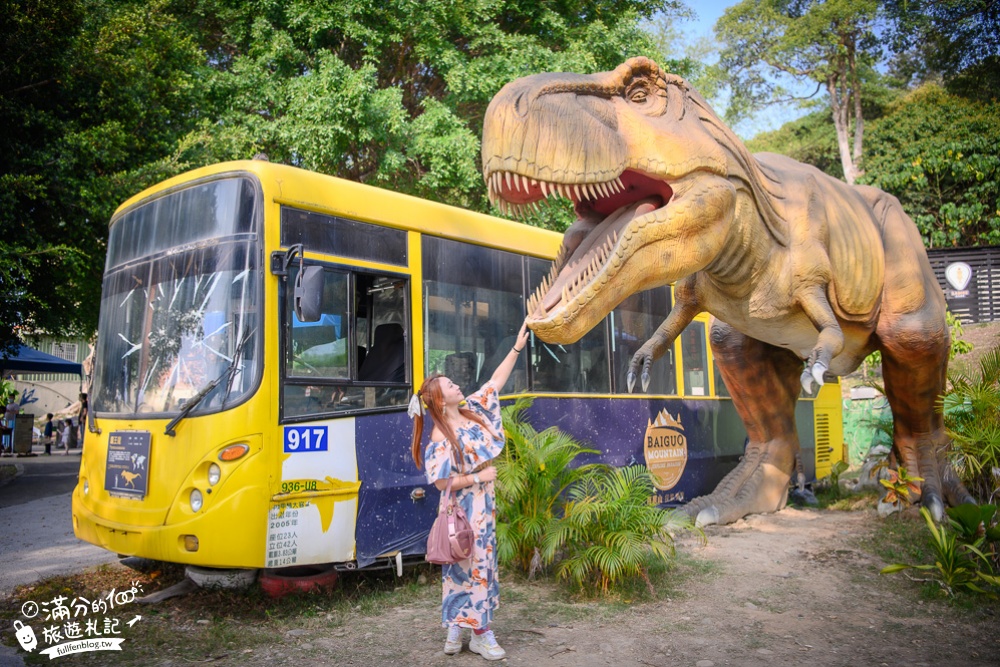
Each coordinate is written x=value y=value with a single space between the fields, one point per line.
x=215 y=578
x=284 y=581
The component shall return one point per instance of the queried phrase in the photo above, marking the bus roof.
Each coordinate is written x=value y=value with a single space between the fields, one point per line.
x=331 y=195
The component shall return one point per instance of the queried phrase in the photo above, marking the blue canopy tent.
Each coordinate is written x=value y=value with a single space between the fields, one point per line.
x=27 y=360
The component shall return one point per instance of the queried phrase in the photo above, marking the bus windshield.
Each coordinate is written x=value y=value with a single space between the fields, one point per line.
x=180 y=310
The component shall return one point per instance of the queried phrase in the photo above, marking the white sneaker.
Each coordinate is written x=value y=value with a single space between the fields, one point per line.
x=453 y=644
x=486 y=646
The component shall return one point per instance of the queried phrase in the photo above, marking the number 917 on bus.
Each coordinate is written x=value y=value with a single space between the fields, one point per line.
x=305 y=439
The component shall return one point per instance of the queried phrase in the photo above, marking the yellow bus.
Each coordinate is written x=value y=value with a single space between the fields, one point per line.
x=262 y=329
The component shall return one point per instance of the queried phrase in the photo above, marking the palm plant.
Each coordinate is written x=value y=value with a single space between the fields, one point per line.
x=610 y=531
x=964 y=549
x=972 y=418
x=533 y=472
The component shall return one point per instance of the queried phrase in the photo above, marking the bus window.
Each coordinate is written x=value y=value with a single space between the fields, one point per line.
x=355 y=357
x=320 y=349
x=632 y=324
x=582 y=367
x=474 y=307
x=342 y=237
x=695 y=360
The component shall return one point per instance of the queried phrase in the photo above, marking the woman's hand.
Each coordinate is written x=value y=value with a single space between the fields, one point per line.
x=487 y=474
x=522 y=337
x=500 y=375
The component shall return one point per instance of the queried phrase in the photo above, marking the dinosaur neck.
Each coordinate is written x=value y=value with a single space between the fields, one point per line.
x=746 y=248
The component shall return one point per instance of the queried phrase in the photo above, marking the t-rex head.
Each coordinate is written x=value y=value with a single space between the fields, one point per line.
x=645 y=162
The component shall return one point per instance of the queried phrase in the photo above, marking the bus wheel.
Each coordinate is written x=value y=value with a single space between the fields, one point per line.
x=284 y=581
x=214 y=578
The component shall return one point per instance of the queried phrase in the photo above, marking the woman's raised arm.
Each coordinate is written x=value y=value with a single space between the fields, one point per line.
x=503 y=371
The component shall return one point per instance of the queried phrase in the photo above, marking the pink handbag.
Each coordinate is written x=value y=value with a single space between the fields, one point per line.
x=451 y=538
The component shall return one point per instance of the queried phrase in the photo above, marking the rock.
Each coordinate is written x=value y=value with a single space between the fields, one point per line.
x=704 y=663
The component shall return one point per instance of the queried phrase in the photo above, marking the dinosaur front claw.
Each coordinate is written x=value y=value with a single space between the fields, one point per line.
x=807 y=381
x=818 y=370
x=630 y=379
x=645 y=380
x=812 y=375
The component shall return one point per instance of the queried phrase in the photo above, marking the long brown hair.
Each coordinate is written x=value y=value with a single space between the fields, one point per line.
x=430 y=393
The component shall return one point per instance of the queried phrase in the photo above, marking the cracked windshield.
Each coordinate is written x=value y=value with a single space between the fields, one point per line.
x=180 y=309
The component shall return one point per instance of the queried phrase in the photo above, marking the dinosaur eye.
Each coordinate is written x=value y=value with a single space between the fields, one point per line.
x=638 y=96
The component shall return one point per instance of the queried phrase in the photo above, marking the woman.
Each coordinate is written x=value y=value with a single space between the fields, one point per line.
x=464 y=441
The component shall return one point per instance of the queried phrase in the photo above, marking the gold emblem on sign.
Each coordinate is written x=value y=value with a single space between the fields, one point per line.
x=665 y=449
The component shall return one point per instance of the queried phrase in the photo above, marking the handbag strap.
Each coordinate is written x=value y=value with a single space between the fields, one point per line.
x=452 y=528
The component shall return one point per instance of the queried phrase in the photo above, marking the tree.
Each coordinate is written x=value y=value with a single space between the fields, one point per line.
x=96 y=93
x=106 y=97
x=831 y=44
x=954 y=41
x=938 y=154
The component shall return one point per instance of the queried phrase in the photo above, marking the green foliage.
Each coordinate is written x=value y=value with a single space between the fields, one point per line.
x=938 y=154
x=103 y=98
x=533 y=472
x=972 y=419
x=7 y=392
x=811 y=139
x=609 y=531
x=964 y=551
x=951 y=39
x=900 y=484
x=836 y=470
x=958 y=344
x=593 y=521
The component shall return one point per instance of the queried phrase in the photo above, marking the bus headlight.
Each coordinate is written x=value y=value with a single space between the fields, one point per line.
x=214 y=474
x=195 y=500
x=86 y=487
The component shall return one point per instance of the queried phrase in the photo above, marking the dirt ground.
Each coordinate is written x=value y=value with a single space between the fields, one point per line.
x=792 y=588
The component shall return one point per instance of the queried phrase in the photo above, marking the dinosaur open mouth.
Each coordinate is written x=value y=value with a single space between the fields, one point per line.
x=603 y=209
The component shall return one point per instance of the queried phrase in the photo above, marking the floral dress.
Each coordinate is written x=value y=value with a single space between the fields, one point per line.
x=471 y=590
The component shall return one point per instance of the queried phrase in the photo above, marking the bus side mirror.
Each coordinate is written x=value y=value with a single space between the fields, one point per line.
x=308 y=294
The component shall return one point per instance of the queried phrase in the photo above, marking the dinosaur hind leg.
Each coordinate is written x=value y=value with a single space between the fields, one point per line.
x=914 y=366
x=764 y=383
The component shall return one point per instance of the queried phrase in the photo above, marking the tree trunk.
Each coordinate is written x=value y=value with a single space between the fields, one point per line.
x=859 y=123
x=839 y=107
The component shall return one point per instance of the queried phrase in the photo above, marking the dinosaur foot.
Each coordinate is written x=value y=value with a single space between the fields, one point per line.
x=755 y=486
x=944 y=487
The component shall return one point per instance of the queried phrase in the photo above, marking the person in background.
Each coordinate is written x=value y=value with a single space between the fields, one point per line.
x=9 y=419
x=82 y=417
x=66 y=426
x=48 y=433
x=463 y=443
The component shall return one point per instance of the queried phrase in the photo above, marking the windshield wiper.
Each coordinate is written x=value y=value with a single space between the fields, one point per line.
x=193 y=402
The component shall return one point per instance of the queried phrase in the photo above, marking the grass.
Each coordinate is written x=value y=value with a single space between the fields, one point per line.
x=207 y=626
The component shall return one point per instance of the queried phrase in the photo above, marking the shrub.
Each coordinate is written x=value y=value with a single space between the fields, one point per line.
x=972 y=418
x=596 y=522
x=533 y=472
x=610 y=531
x=965 y=551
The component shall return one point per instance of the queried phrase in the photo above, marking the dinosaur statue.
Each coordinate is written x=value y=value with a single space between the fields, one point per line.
x=795 y=266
